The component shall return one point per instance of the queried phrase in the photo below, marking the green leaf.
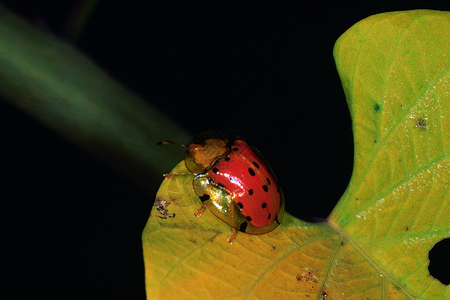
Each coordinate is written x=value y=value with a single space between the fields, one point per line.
x=395 y=70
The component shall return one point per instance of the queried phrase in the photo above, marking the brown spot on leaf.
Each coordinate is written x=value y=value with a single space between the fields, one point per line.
x=161 y=208
x=308 y=275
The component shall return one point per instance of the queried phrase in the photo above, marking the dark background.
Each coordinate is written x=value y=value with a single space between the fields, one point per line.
x=262 y=69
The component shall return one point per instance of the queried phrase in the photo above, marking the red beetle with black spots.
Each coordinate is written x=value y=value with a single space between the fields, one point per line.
x=233 y=180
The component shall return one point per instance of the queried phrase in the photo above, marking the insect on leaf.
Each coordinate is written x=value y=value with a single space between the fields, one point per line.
x=395 y=71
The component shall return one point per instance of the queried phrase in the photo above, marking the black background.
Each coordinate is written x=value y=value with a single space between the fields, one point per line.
x=74 y=225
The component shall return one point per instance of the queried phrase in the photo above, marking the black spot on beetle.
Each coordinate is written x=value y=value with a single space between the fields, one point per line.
x=256 y=164
x=250 y=170
x=215 y=170
x=250 y=192
x=265 y=188
x=268 y=181
x=269 y=216
x=264 y=205
x=204 y=197
x=240 y=205
x=235 y=149
x=227 y=158
x=248 y=218
x=243 y=227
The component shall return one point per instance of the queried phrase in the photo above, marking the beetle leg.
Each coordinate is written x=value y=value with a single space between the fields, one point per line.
x=168 y=176
x=234 y=232
x=232 y=237
x=199 y=212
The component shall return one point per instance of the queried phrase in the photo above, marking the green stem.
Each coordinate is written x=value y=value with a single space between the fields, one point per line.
x=55 y=83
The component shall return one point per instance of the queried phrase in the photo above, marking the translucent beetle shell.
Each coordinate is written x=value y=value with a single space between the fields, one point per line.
x=235 y=183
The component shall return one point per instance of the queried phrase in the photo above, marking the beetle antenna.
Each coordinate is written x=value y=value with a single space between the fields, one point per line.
x=169 y=143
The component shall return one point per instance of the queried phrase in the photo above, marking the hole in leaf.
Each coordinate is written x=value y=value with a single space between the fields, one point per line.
x=439 y=263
